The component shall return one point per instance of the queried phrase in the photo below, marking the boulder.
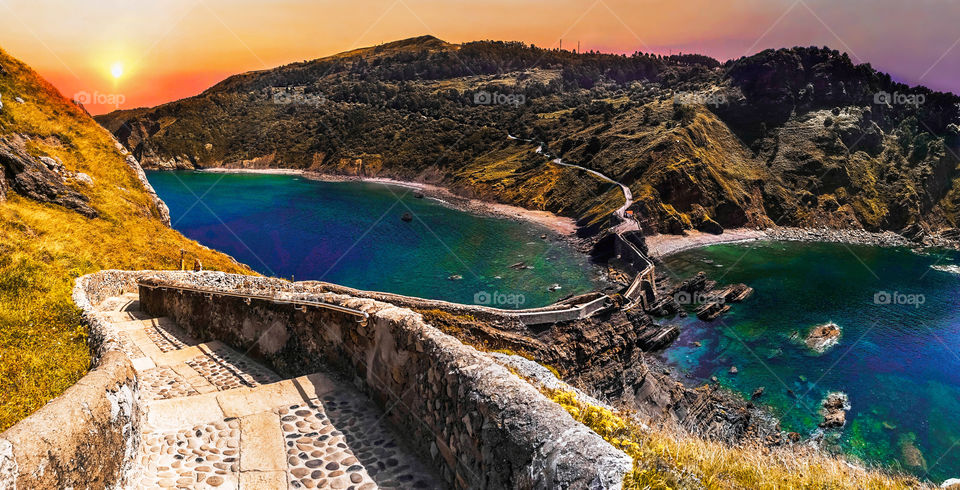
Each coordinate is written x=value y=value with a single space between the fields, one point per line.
x=33 y=179
x=52 y=164
x=708 y=225
x=83 y=178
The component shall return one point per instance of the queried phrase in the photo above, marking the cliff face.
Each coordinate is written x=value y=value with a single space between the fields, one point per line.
x=796 y=136
x=72 y=201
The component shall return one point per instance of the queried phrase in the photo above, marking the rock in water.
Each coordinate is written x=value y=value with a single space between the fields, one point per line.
x=712 y=310
x=407 y=217
x=757 y=393
x=822 y=337
x=835 y=411
x=455 y=277
x=418 y=195
x=910 y=454
x=733 y=370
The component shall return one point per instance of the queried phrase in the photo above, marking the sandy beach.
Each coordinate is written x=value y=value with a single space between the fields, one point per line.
x=663 y=245
x=558 y=224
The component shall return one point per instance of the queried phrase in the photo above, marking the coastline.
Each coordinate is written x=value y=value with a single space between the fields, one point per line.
x=662 y=246
x=563 y=226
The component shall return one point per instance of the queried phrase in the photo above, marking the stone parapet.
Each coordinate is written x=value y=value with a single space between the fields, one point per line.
x=480 y=425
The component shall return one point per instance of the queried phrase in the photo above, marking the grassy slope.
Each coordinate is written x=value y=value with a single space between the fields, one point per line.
x=44 y=247
x=667 y=458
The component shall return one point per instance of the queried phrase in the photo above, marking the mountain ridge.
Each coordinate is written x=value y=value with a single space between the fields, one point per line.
x=795 y=136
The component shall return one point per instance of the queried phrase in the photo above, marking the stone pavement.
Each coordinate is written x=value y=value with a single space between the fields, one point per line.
x=218 y=419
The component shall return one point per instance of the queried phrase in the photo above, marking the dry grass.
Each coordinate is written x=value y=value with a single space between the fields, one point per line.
x=670 y=458
x=44 y=247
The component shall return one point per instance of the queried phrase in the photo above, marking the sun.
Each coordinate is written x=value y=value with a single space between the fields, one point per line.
x=116 y=70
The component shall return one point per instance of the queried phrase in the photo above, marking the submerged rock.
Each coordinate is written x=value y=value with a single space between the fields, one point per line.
x=910 y=454
x=757 y=393
x=822 y=337
x=407 y=217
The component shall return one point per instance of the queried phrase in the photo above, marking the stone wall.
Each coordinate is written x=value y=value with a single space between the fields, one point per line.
x=480 y=425
x=87 y=437
x=573 y=308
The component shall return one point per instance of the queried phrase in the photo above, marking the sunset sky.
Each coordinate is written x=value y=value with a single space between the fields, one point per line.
x=138 y=53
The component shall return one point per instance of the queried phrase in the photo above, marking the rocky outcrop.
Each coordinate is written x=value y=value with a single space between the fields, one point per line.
x=31 y=177
x=163 y=212
x=822 y=337
x=835 y=411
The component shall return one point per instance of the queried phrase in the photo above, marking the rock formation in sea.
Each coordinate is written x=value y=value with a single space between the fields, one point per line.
x=822 y=337
x=834 y=411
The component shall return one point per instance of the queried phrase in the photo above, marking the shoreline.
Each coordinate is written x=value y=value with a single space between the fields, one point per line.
x=563 y=226
x=662 y=246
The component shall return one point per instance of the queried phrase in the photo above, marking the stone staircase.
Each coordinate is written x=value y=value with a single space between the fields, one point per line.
x=218 y=419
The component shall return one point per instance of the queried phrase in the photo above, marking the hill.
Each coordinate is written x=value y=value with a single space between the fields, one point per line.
x=798 y=136
x=72 y=202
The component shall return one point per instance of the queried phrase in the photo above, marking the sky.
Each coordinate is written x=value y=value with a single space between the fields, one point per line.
x=130 y=53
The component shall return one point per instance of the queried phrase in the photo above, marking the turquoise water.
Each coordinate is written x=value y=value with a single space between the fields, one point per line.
x=899 y=363
x=351 y=233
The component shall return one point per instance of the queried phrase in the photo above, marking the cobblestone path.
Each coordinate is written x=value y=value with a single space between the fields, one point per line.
x=216 y=418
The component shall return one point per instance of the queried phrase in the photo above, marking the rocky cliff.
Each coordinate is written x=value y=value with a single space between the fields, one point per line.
x=72 y=201
x=799 y=137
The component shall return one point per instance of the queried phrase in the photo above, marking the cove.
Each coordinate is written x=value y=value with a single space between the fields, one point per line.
x=351 y=233
x=898 y=357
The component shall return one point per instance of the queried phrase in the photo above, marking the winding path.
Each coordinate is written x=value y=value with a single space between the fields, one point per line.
x=634 y=291
x=621 y=212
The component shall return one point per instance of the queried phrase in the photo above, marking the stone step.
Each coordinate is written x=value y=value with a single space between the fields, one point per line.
x=124 y=302
x=215 y=418
x=313 y=431
x=125 y=316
